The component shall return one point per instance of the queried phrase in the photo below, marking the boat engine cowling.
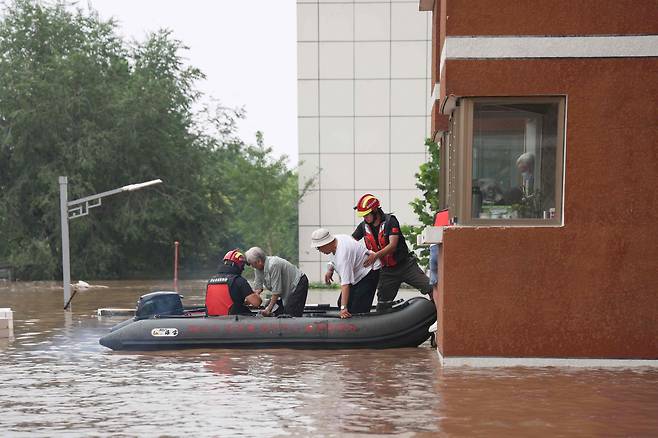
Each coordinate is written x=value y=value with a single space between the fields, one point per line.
x=159 y=304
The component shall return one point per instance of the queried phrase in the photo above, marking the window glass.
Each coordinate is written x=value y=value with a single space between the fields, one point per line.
x=513 y=160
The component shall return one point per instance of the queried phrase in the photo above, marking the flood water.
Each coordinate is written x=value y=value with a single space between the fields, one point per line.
x=56 y=380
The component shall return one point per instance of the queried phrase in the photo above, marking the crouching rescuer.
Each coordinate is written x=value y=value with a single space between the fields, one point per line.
x=289 y=285
x=228 y=292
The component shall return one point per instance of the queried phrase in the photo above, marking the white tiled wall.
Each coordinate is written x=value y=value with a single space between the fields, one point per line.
x=306 y=253
x=407 y=23
x=307 y=60
x=309 y=169
x=372 y=59
x=336 y=22
x=307 y=98
x=312 y=270
x=373 y=172
x=336 y=207
x=371 y=134
x=336 y=60
x=363 y=74
x=371 y=97
x=405 y=180
x=400 y=205
x=337 y=135
x=309 y=208
x=308 y=132
x=405 y=58
x=403 y=134
x=408 y=97
x=307 y=22
x=336 y=98
x=337 y=172
x=373 y=22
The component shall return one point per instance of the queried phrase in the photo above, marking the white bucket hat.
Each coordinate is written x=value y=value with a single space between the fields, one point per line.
x=321 y=237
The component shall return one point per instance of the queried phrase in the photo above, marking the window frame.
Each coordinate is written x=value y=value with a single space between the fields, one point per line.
x=463 y=168
x=443 y=170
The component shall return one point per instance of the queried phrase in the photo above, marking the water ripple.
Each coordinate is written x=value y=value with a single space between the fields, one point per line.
x=57 y=380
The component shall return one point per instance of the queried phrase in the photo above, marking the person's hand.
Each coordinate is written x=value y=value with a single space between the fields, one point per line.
x=345 y=314
x=266 y=312
x=372 y=258
x=328 y=277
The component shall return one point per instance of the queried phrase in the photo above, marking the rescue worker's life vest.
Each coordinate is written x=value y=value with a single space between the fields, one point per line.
x=218 y=295
x=376 y=243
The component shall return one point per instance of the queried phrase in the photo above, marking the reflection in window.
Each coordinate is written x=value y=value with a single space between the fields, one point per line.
x=514 y=159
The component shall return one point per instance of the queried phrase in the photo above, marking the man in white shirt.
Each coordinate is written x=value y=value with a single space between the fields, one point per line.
x=358 y=283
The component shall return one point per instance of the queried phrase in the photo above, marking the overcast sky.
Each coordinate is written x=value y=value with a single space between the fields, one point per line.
x=246 y=48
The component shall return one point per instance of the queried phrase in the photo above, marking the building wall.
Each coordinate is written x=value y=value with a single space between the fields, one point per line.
x=363 y=115
x=587 y=288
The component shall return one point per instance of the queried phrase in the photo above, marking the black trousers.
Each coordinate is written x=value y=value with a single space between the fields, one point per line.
x=409 y=272
x=362 y=293
x=295 y=301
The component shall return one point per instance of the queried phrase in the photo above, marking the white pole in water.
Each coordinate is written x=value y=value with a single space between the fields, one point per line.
x=64 y=213
x=176 y=245
x=77 y=208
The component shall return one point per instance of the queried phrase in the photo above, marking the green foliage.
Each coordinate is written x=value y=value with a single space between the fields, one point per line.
x=77 y=101
x=427 y=180
x=262 y=196
x=321 y=285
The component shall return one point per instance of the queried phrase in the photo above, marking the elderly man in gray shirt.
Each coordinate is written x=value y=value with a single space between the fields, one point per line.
x=287 y=283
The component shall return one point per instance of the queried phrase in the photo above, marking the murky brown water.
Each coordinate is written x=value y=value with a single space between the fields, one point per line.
x=56 y=380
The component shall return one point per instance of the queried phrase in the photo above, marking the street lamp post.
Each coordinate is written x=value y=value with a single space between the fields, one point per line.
x=77 y=208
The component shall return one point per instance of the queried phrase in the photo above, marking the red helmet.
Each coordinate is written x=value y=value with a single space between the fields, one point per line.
x=367 y=204
x=236 y=257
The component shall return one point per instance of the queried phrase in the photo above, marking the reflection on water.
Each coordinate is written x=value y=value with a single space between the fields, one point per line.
x=55 y=379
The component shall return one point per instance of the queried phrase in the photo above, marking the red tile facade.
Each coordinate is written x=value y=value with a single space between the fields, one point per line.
x=589 y=288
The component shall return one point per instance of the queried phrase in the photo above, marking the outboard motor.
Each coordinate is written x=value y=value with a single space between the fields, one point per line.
x=159 y=304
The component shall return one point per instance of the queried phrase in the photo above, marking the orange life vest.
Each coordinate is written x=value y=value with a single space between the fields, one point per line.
x=376 y=243
x=218 y=296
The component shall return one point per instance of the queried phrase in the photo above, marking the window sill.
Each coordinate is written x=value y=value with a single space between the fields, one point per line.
x=514 y=223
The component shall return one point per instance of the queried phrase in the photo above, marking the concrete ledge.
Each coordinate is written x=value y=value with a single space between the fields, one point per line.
x=491 y=362
x=109 y=311
x=6 y=323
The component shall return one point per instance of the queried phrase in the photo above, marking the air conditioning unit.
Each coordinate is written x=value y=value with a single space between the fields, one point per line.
x=430 y=235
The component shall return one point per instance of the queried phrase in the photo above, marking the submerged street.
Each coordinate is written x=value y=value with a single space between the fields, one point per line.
x=57 y=380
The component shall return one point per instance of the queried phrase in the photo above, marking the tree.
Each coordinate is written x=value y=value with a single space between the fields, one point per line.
x=46 y=109
x=76 y=101
x=264 y=197
x=427 y=180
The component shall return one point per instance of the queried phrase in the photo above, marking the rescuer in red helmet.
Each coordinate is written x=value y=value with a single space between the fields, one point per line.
x=383 y=237
x=227 y=292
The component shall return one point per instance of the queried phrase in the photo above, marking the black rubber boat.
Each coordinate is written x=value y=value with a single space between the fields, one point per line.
x=161 y=323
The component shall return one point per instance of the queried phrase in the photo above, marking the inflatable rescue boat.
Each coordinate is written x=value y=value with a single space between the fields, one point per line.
x=161 y=323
